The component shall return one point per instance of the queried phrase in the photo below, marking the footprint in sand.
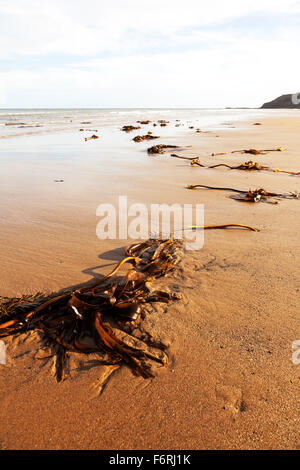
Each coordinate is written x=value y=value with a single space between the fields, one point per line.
x=231 y=398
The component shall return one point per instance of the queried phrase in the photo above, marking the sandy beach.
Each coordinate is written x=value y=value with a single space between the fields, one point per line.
x=230 y=382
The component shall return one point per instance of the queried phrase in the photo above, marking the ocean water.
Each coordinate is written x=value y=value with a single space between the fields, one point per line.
x=22 y=122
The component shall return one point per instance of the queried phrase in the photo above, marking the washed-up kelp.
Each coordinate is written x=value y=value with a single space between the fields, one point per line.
x=143 y=122
x=94 y=136
x=251 y=151
x=160 y=148
x=247 y=166
x=243 y=166
x=174 y=155
x=212 y=227
x=15 y=124
x=141 y=138
x=104 y=316
x=101 y=316
x=130 y=128
x=256 y=195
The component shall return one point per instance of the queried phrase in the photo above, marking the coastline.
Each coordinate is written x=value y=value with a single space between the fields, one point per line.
x=235 y=386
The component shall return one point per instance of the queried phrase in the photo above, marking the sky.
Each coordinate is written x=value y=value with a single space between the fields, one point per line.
x=141 y=53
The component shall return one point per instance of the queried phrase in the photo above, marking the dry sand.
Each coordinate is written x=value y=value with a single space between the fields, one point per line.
x=230 y=383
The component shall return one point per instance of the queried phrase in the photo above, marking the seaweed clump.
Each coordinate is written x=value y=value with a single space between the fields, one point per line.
x=160 y=148
x=130 y=128
x=101 y=317
x=256 y=195
x=141 y=138
x=94 y=136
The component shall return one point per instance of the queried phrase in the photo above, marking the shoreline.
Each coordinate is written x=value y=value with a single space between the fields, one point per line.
x=235 y=386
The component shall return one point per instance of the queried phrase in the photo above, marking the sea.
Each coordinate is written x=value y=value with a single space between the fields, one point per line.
x=22 y=122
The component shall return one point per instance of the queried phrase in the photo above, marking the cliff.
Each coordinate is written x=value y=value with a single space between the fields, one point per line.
x=284 y=101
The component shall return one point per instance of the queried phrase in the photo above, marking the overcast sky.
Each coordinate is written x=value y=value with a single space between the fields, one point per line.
x=147 y=53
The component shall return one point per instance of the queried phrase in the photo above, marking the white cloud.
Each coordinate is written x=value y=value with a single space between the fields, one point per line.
x=185 y=65
x=77 y=27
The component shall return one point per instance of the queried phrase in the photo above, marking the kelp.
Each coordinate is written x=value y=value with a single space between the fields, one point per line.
x=105 y=312
x=130 y=128
x=141 y=138
x=94 y=136
x=213 y=227
x=243 y=166
x=104 y=316
x=247 y=166
x=256 y=195
x=163 y=123
x=160 y=148
x=194 y=159
x=15 y=124
x=143 y=122
x=250 y=151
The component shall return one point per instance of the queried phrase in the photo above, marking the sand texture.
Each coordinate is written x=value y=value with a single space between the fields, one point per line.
x=230 y=383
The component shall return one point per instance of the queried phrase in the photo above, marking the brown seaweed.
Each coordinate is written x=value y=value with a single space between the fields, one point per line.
x=106 y=311
x=15 y=124
x=192 y=159
x=160 y=148
x=130 y=128
x=250 y=151
x=141 y=138
x=143 y=122
x=212 y=227
x=94 y=136
x=247 y=166
x=256 y=195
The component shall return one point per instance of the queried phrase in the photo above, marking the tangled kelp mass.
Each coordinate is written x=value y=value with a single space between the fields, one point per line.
x=100 y=317
x=106 y=316
x=160 y=148
x=256 y=195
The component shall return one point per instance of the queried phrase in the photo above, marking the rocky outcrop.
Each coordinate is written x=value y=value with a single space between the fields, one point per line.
x=284 y=101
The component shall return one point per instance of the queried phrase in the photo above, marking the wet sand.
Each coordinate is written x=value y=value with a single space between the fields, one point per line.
x=231 y=383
